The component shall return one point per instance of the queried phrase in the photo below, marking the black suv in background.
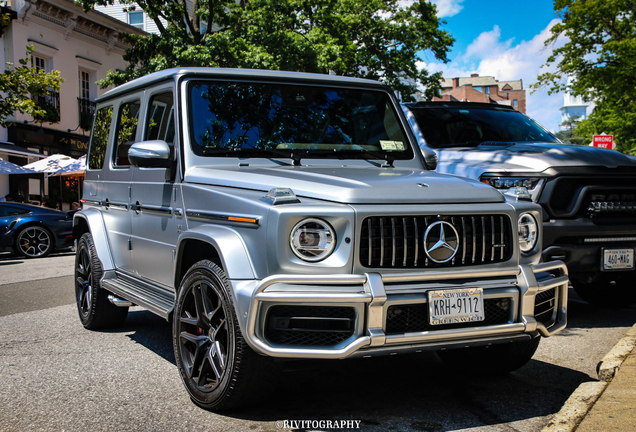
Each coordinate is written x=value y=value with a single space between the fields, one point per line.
x=588 y=194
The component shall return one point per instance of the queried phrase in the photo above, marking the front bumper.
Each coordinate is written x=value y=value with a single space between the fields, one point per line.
x=372 y=294
x=578 y=242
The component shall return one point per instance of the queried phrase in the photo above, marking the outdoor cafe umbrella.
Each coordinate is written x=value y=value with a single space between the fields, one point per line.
x=11 y=168
x=77 y=168
x=51 y=165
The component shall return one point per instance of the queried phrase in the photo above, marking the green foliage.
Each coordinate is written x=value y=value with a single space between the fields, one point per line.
x=600 y=56
x=23 y=87
x=568 y=134
x=373 y=39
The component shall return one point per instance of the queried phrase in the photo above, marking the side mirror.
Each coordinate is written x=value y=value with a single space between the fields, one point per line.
x=150 y=154
x=430 y=157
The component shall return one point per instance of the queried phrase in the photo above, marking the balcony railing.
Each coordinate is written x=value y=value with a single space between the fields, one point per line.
x=86 y=111
x=50 y=102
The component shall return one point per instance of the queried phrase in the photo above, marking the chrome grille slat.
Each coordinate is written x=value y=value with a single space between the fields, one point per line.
x=474 y=239
x=397 y=230
x=492 y=233
x=393 y=241
x=406 y=242
x=501 y=239
x=381 y=242
x=417 y=242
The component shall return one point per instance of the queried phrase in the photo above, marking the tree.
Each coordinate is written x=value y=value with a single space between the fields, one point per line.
x=23 y=87
x=600 y=55
x=569 y=133
x=376 y=39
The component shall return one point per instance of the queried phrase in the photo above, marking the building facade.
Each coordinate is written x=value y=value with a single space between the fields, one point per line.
x=574 y=107
x=83 y=46
x=485 y=89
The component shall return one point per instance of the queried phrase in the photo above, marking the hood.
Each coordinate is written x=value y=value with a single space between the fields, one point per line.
x=526 y=157
x=351 y=185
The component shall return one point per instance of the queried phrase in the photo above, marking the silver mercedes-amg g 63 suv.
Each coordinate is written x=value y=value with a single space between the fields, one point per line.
x=287 y=215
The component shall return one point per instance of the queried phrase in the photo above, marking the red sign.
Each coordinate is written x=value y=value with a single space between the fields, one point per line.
x=603 y=141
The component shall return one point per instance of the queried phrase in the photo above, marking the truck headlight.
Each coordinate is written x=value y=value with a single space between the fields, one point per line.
x=312 y=240
x=507 y=182
x=528 y=232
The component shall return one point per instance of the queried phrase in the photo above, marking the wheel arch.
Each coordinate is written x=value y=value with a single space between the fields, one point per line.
x=91 y=221
x=213 y=243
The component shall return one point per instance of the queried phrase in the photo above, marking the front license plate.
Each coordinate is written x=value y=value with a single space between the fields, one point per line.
x=618 y=259
x=456 y=306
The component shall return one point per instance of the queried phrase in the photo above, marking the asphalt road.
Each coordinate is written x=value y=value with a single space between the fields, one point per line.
x=55 y=375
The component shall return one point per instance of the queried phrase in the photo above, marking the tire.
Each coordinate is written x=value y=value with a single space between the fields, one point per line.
x=34 y=241
x=219 y=370
x=611 y=289
x=94 y=308
x=491 y=360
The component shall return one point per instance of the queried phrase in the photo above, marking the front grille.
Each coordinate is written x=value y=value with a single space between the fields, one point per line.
x=414 y=317
x=309 y=325
x=593 y=196
x=544 y=304
x=398 y=241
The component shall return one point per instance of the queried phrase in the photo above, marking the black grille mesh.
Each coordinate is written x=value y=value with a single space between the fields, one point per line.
x=309 y=332
x=544 y=304
x=398 y=241
x=414 y=317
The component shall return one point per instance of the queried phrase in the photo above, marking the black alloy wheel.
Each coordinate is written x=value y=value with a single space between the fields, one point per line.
x=34 y=242
x=94 y=308
x=218 y=369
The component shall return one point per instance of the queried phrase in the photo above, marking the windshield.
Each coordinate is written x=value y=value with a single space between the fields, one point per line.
x=278 y=120
x=454 y=127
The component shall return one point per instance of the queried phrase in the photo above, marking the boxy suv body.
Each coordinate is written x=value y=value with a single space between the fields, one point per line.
x=286 y=215
x=588 y=194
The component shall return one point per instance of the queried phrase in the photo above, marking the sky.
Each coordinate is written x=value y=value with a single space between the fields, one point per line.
x=504 y=39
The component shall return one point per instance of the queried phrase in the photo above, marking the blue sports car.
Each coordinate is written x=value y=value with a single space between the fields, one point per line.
x=33 y=231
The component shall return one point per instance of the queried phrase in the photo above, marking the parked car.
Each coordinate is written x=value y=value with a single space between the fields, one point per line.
x=32 y=231
x=277 y=214
x=588 y=194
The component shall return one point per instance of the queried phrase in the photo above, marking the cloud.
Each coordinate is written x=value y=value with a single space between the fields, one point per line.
x=488 y=55
x=448 y=8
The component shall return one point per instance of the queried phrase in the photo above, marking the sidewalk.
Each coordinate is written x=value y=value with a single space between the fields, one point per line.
x=610 y=403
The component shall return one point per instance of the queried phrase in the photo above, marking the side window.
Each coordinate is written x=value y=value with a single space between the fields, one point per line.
x=161 y=118
x=99 y=139
x=11 y=211
x=126 y=131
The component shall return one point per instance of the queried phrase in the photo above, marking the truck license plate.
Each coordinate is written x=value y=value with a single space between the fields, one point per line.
x=456 y=306
x=618 y=259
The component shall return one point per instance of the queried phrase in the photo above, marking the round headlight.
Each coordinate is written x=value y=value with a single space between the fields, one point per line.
x=528 y=232
x=312 y=240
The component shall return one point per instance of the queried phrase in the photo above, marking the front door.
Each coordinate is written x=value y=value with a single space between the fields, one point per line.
x=154 y=199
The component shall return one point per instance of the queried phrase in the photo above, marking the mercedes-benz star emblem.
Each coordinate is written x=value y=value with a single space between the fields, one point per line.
x=440 y=242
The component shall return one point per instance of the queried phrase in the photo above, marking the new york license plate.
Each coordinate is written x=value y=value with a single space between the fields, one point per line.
x=456 y=306
x=618 y=259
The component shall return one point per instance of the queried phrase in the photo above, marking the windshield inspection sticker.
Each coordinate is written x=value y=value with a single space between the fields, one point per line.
x=391 y=145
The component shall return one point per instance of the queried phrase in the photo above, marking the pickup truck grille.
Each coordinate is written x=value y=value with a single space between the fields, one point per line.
x=398 y=241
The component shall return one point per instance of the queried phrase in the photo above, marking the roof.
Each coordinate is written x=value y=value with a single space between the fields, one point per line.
x=15 y=150
x=171 y=74
x=480 y=81
x=460 y=105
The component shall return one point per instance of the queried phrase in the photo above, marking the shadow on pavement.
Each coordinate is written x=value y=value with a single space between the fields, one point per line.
x=416 y=391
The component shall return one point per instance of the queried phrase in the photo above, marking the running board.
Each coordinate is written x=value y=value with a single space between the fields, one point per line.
x=156 y=299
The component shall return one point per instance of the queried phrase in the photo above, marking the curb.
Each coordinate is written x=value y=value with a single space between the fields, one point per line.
x=585 y=396
x=612 y=362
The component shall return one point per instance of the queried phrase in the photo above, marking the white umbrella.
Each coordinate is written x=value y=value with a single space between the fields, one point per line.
x=76 y=168
x=51 y=164
x=11 y=168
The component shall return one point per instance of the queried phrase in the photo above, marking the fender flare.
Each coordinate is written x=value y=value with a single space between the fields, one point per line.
x=96 y=227
x=229 y=244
